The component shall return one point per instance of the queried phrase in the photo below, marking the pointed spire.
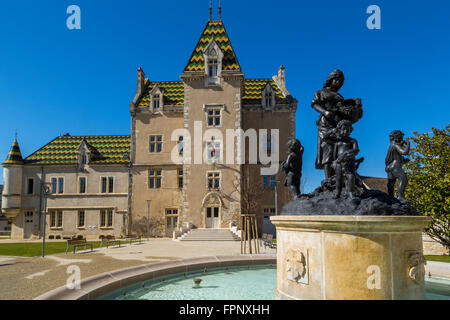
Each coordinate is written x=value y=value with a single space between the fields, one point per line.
x=220 y=10
x=14 y=155
x=210 y=10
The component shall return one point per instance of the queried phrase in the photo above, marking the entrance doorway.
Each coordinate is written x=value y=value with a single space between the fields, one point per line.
x=28 y=224
x=212 y=218
x=171 y=221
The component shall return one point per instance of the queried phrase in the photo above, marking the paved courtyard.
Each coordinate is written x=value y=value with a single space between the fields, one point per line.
x=27 y=278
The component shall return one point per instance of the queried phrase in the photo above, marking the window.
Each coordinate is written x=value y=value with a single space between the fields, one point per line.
x=110 y=184
x=106 y=218
x=268 y=98
x=270 y=211
x=213 y=67
x=54 y=185
x=59 y=221
x=57 y=185
x=83 y=159
x=213 y=149
x=60 y=185
x=156 y=144
x=180 y=178
x=56 y=219
x=81 y=219
x=110 y=218
x=102 y=218
x=30 y=186
x=29 y=217
x=269 y=181
x=107 y=185
x=82 y=184
x=180 y=144
x=214 y=180
x=156 y=101
x=213 y=117
x=154 y=179
x=52 y=219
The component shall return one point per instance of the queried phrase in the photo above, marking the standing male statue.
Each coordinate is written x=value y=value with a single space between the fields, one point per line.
x=395 y=162
x=293 y=167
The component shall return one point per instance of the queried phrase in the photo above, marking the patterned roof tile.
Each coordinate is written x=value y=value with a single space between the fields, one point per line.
x=63 y=150
x=213 y=30
x=253 y=91
x=14 y=155
x=173 y=92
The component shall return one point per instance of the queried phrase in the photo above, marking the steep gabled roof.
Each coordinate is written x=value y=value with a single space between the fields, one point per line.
x=213 y=30
x=173 y=92
x=14 y=155
x=63 y=150
x=253 y=91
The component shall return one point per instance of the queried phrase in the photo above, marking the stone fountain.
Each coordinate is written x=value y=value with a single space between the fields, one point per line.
x=343 y=241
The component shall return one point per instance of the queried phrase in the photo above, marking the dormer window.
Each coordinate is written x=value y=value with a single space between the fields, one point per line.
x=156 y=101
x=268 y=96
x=213 y=56
x=83 y=159
x=213 y=66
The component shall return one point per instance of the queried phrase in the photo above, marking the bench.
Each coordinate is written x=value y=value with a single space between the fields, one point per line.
x=77 y=243
x=133 y=239
x=110 y=241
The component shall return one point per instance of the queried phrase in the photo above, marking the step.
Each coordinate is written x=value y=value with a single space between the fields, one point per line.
x=210 y=235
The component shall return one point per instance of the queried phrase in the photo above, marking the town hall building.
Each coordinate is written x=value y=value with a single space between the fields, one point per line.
x=175 y=166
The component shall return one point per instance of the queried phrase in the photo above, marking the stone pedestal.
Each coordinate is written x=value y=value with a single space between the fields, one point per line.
x=350 y=257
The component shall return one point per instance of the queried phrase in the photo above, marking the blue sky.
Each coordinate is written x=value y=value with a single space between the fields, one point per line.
x=55 y=81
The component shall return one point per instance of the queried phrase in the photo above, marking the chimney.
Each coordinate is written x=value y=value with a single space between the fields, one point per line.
x=140 y=81
x=282 y=77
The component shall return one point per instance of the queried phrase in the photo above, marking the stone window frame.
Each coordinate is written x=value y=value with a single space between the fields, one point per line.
x=26 y=216
x=156 y=92
x=268 y=89
x=55 y=216
x=156 y=142
x=214 y=107
x=58 y=186
x=109 y=223
x=171 y=215
x=180 y=178
x=108 y=184
x=214 y=178
x=84 y=219
x=85 y=184
x=27 y=185
x=155 y=177
x=272 y=211
x=271 y=182
x=207 y=56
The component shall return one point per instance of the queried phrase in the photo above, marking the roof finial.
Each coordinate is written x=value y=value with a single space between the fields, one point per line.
x=220 y=10
x=15 y=136
x=210 y=10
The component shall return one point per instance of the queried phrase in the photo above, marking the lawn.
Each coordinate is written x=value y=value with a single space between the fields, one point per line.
x=35 y=249
x=438 y=258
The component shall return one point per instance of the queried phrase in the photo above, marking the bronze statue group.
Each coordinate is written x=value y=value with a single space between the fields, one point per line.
x=337 y=151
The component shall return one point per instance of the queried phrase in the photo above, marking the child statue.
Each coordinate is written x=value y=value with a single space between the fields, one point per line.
x=395 y=162
x=293 y=167
x=345 y=151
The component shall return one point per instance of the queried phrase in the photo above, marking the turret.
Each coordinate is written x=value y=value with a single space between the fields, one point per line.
x=12 y=180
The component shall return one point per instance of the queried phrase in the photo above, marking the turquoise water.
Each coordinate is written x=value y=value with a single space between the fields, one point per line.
x=237 y=283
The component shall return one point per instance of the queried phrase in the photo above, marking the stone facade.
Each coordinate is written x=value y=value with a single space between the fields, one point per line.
x=202 y=186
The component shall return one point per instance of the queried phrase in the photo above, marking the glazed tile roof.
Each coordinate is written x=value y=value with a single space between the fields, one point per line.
x=253 y=91
x=63 y=150
x=213 y=30
x=14 y=155
x=173 y=92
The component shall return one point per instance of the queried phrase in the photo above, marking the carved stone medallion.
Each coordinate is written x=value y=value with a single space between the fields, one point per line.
x=297 y=266
x=416 y=267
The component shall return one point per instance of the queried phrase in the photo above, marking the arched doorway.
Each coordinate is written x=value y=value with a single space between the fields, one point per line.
x=212 y=204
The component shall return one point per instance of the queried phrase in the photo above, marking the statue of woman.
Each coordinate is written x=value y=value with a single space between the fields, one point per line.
x=327 y=102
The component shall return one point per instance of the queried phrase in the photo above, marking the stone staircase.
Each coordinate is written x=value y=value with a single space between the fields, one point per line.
x=209 y=235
